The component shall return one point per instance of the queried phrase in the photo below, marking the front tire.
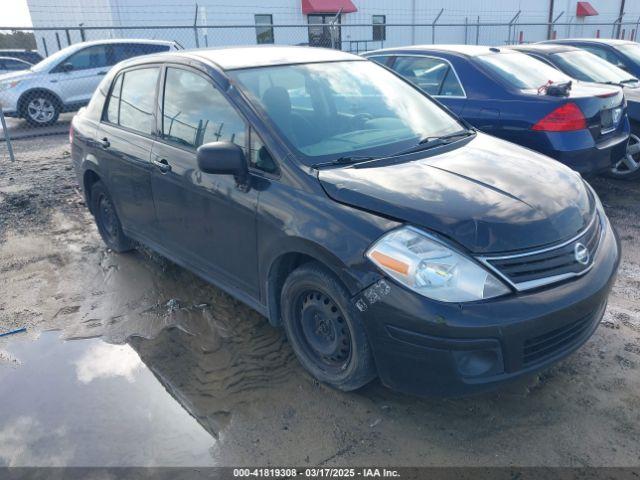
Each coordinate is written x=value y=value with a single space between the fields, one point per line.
x=40 y=109
x=107 y=220
x=324 y=328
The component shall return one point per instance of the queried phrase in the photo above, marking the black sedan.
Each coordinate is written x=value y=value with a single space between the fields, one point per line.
x=587 y=67
x=384 y=234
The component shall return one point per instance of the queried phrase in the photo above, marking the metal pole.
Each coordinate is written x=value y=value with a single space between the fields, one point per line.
x=622 y=2
x=66 y=30
x=478 y=31
x=7 y=138
x=635 y=35
x=413 y=22
x=550 y=27
x=195 y=27
x=466 y=30
x=82 y=32
x=433 y=27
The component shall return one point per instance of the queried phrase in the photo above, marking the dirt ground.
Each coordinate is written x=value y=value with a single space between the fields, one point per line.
x=239 y=379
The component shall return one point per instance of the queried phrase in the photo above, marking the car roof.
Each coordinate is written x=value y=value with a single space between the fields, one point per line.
x=232 y=58
x=465 y=50
x=544 y=48
x=605 y=41
x=123 y=40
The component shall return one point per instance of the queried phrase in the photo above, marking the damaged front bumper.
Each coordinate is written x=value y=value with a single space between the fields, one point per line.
x=424 y=347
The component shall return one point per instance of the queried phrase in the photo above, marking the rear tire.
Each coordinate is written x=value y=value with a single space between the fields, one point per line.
x=107 y=220
x=324 y=328
x=628 y=167
x=40 y=109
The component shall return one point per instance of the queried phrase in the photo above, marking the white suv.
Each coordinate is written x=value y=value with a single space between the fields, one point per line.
x=65 y=81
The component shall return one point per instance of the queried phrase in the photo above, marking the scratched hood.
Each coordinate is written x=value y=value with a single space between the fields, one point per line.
x=488 y=195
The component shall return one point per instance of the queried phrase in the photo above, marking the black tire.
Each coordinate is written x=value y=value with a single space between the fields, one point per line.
x=40 y=109
x=324 y=328
x=628 y=167
x=107 y=220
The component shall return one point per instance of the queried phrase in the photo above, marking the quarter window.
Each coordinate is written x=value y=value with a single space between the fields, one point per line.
x=432 y=75
x=195 y=112
x=90 y=57
x=259 y=156
x=379 y=29
x=132 y=100
x=264 y=29
x=124 y=51
x=609 y=56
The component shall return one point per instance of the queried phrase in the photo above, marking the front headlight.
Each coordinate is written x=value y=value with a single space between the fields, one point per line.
x=7 y=84
x=432 y=269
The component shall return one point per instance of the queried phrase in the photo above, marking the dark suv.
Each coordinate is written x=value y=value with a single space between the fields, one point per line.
x=338 y=200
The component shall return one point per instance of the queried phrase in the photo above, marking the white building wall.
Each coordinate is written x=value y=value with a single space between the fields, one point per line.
x=226 y=17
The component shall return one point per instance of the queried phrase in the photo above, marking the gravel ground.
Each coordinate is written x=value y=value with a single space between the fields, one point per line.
x=239 y=379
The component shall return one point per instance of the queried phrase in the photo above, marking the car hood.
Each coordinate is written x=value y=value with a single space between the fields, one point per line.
x=488 y=195
x=17 y=75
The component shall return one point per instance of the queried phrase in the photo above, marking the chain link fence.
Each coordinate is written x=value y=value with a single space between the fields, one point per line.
x=43 y=100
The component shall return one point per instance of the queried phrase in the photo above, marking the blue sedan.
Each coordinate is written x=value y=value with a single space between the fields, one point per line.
x=518 y=98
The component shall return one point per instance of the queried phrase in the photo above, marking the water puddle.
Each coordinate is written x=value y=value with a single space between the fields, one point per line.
x=90 y=403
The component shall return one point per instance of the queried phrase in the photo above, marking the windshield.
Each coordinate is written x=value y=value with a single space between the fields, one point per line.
x=52 y=60
x=588 y=67
x=631 y=50
x=521 y=71
x=331 y=110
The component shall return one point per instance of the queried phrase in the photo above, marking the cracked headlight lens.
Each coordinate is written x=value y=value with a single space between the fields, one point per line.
x=432 y=269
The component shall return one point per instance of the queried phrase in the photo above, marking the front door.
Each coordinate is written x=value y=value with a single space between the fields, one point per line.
x=78 y=76
x=206 y=220
x=321 y=34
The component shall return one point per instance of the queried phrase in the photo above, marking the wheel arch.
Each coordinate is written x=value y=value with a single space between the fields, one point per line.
x=89 y=177
x=25 y=96
x=287 y=261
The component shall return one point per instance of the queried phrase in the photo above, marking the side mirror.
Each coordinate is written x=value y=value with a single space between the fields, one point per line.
x=223 y=158
x=66 y=67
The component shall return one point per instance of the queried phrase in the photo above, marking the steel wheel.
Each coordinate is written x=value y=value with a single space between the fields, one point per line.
x=323 y=329
x=41 y=110
x=629 y=165
x=107 y=219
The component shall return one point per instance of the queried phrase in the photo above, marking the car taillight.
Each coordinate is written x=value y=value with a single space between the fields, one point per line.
x=71 y=135
x=566 y=118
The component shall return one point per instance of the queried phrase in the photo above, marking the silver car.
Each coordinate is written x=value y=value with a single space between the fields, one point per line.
x=65 y=81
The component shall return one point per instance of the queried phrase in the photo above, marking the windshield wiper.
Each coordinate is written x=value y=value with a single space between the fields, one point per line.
x=630 y=80
x=434 y=141
x=345 y=160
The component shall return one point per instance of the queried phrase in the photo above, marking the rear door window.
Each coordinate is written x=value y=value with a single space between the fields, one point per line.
x=125 y=51
x=132 y=98
x=432 y=75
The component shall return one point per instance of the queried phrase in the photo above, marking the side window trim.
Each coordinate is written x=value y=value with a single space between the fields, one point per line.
x=152 y=135
x=160 y=90
x=434 y=57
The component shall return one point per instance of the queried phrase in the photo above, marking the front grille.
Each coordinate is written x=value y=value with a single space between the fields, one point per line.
x=539 y=348
x=534 y=269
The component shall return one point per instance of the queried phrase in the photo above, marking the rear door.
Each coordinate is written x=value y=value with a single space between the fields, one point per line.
x=207 y=221
x=435 y=76
x=125 y=141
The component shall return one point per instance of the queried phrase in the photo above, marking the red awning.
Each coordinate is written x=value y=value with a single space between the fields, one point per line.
x=327 y=6
x=585 y=9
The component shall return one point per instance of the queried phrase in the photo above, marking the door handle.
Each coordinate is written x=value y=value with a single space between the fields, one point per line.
x=101 y=73
x=105 y=142
x=162 y=165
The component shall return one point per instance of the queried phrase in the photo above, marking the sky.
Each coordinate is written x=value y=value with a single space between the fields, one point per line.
x=15 y=13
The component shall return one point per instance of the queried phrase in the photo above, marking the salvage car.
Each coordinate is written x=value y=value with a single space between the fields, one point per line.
x=387 y=236
x=520 y=99
x=587 y=67
x=65 y=81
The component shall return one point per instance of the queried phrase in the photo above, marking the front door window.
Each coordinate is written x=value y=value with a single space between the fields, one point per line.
x=321 y=33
